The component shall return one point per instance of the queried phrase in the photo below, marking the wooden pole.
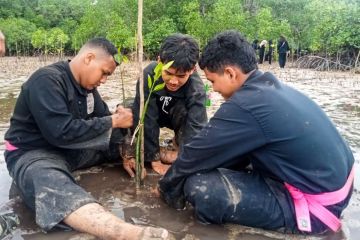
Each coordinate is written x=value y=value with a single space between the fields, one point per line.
x=141 y=88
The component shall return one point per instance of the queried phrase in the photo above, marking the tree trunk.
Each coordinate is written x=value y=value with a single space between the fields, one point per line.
x=357 y=61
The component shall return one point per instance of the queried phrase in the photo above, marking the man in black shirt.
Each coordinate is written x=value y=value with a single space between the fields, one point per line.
x=180 y=105
x=269 y=158
x=60 y=124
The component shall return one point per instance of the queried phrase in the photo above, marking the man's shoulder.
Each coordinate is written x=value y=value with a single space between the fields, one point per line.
x=195 y=82
x=149 y=69
x=47 y=75
x=257 y=88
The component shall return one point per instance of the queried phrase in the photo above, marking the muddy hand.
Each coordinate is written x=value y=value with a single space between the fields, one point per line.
x=160 y=168
x=123 y=118
x=150 y=233
x=168 y=156
x=130 y=167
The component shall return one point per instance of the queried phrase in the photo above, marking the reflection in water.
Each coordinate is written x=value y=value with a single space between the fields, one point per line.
x=336 y=93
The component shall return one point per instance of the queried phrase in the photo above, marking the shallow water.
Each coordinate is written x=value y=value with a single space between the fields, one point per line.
x=336 y=93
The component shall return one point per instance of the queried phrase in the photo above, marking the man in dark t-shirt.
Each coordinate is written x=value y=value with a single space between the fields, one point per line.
x=179 y=106
x=60 y=124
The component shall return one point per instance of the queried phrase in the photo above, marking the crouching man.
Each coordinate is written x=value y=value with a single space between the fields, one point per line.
x=269 y=158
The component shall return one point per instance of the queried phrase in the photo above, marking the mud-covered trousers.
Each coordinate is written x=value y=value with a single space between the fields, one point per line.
x=46 y=185
x=246 y=198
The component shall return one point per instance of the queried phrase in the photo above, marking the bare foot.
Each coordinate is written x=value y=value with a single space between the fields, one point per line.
x=154 y=233
x=168 y=156
x=159 y=167
x=133 y=232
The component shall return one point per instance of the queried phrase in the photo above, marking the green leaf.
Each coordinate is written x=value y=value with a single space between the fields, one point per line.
x=206 y=87
x=125 y=59
x=150 y=82
x=159 y=87
x=167 y=66
x=118 y=58
x=157 y=71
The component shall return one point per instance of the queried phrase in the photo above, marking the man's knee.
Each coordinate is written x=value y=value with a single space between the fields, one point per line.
x=208 y=196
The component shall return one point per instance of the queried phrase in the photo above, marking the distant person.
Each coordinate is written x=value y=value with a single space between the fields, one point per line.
x=262 y=48
x=269 y=157
x=283 y=50
x=61 y=124
x=2 y=45
x=270 y=51
x=255 y=44
x=179 y=106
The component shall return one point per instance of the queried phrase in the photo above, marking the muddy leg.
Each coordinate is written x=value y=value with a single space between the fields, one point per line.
x=94 y=219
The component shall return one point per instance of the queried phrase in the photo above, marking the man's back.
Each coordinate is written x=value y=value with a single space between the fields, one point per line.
x=302 y=145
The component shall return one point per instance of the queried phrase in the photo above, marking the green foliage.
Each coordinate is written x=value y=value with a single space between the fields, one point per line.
x=51 y=41
x=268 y=27
x=18 y=33
x=323 y=26
x=335 y=26
x=156 y=31
x=103 y=22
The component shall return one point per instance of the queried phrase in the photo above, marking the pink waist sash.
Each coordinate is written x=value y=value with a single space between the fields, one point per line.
x=314 y=203
x=9 y=146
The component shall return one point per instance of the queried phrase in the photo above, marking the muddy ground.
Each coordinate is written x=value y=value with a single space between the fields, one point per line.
x=336 y=92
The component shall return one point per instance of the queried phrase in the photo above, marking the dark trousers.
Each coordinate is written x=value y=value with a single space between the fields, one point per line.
x=46 y=185
x=226 y=196
x=246 y=198
x=261 y=55
x=282 y=59
x=44 y=180
x=269 y=57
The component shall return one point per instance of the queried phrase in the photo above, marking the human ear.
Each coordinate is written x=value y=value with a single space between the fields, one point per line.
x=88 y=58
x=230 y=73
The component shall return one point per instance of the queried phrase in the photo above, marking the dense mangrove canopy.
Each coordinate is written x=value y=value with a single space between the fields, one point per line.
x=322 y=27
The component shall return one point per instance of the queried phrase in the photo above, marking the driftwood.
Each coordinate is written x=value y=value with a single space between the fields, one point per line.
x=343 y=61
x=321 y=63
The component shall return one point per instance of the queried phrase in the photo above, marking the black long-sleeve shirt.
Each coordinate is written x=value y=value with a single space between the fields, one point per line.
x=285 y=135
x=192 y=93
x=54 y=111
x=283 y=47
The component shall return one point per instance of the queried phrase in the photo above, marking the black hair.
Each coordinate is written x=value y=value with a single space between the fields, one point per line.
x=104 y=44
x=282 y=38
x=228 y=48
x=182 y=49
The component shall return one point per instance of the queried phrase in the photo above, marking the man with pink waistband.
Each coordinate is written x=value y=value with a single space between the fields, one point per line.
x=61 y=124
x=269 y=158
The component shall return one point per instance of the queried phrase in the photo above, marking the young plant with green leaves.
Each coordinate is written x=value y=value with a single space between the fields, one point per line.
x=154 y=85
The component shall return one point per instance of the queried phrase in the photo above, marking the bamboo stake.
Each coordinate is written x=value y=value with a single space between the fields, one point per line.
x=140 y=152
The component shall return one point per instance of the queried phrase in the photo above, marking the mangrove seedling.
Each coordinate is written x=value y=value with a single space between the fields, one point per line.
x=154 y=85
